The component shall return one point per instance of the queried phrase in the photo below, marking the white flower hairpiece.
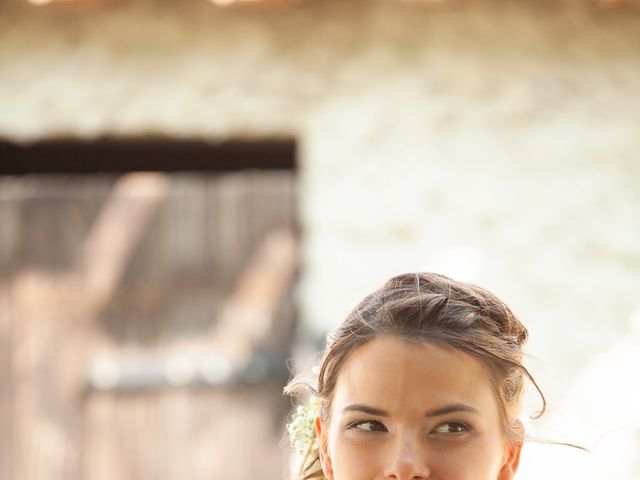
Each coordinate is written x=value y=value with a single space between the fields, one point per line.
x=300 y=428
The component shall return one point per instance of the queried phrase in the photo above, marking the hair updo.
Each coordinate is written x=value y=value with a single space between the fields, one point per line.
x=431 y=308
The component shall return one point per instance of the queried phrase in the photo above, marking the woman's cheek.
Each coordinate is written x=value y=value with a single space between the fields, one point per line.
x=355 y=460
x=468 y=460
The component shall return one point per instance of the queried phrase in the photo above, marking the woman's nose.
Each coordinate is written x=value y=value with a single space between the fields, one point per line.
x=407 y=460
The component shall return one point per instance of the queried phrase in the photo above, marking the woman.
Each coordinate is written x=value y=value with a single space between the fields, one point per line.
x=423 y=380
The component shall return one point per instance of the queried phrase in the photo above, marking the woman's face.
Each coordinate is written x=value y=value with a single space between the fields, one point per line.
x=407 y=411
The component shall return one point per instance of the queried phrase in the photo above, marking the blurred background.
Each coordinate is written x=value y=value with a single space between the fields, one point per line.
x=192 y=193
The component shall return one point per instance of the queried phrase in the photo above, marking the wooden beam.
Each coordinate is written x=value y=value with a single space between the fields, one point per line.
x=247 y=316
x=114 y=236
x=119 y=155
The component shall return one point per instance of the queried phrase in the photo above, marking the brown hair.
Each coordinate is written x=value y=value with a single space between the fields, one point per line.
x=427 y=307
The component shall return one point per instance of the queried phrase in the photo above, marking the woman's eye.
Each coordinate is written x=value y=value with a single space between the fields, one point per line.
x=368 y=426
x=452 y=428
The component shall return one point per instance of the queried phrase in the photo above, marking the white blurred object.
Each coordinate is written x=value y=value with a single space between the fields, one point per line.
x=601 y=413
x=104 y=373
x=634 y=322
x=179 y=370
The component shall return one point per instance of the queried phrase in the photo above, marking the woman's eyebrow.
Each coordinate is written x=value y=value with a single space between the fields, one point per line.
x=436 y=412
x=365 y=409
x=453 y=408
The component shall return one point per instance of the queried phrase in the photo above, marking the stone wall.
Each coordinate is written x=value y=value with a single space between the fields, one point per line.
x=493 y=141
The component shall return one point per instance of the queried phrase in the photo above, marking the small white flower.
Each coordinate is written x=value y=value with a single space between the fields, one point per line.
x=300 y=428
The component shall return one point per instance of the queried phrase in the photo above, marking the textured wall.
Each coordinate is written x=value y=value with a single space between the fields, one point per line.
x=496 y=142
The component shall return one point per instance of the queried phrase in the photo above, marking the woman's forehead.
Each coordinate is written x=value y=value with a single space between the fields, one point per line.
x=396 y=373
